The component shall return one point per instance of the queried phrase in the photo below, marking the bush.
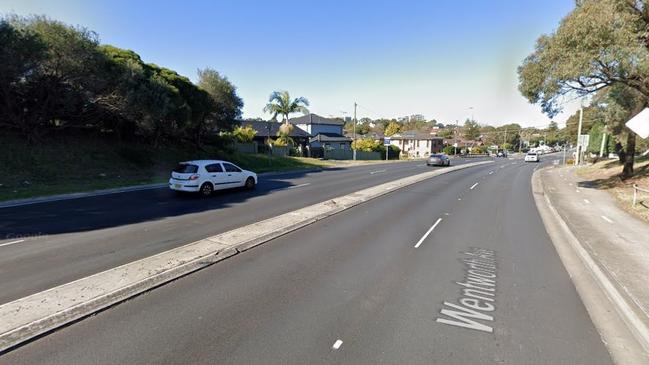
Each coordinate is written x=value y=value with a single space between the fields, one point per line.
x=449 y=150
x=368 y=145
x=244 y=134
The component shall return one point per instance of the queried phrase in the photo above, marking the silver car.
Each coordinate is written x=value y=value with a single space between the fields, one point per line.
x=438 y=160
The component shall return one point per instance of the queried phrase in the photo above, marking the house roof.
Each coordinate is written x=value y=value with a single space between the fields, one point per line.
x=262 y=129
x=330 y=137
x=315 y=119
x=414 y=135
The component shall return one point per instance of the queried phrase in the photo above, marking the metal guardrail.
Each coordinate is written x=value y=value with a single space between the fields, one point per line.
x=635 y=193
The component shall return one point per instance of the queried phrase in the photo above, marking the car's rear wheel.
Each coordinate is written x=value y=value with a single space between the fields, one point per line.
x=250 y=183
x=206 y=189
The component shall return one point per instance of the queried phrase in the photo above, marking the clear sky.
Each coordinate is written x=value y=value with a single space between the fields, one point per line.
x=394 y=58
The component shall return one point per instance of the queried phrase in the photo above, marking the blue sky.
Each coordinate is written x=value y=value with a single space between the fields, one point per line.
x=393 y=58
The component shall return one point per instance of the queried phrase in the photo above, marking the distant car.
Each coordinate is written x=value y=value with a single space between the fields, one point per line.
x=532 y=157
x=205 y=176
x=438 y=160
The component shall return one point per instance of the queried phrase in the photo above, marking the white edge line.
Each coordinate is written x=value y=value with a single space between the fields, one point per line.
x=337 y=344
x=428 y=232
x=11 y=243
x=473 y=186
x=377 y=171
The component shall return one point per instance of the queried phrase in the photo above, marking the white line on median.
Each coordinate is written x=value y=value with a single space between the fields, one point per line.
x=299 y=186
x=11 y=243
x=428 y=232
x=607 y=219
x=376 y=172
x=337 y=344
x=473 y=186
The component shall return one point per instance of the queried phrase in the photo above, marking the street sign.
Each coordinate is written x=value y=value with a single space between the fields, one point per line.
x=583 y=141
x=386 y=141
x=640 y=123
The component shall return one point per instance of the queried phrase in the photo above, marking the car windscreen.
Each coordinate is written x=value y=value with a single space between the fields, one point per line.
x=185 y=168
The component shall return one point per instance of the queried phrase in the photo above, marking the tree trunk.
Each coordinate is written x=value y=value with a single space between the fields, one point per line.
x=629 y=159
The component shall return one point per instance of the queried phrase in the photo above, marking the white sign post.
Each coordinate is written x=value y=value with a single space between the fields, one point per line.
x=640 y=123
x=386 y=143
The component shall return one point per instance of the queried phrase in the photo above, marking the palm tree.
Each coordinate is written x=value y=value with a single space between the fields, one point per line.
x=280 y=103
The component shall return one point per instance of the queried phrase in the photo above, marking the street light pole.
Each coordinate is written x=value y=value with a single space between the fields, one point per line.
x=456 y=124
x=581 y=118
x=354 y=134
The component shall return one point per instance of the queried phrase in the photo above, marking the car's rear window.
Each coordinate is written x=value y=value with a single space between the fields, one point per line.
x=437 y=156
x=185 y=168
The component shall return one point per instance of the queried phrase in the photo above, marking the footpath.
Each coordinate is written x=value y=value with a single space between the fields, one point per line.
x=612 y=246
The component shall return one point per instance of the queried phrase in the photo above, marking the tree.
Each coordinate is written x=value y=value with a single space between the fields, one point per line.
x=601 y=43
x=446 y=132
x=392 y=128
x=226 y=103
x=280 y=103
x=471 y=130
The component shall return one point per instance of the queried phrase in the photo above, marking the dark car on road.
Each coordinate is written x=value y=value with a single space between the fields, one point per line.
x=438 y=160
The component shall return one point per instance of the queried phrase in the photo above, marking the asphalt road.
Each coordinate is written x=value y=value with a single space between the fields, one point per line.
x=354 y=289
x=62 y=241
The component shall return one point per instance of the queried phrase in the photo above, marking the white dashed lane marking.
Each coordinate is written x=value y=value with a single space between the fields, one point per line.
x=11 y=243
x=427 y=233
x=473 y=186
x=607 y=219
x=337 y=344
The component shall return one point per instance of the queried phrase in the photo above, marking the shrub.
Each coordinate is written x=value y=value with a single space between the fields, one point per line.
x=449 y=150
x=244 y=134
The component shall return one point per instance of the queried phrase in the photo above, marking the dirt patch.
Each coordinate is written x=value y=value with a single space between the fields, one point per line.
x=605 y=175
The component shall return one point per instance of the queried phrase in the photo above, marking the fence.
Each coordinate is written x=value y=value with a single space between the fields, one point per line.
x=635 y=193
x=349 y=155
x=246 y=147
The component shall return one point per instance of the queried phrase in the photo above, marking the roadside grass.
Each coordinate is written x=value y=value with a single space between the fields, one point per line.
x=605 y=175
x=67 y=165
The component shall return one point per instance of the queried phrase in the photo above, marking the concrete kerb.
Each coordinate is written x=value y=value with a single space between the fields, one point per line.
x=31 y=316
x=624 y=333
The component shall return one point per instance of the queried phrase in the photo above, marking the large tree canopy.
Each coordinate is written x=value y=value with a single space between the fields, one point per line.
x=55 y=78
x=601 y=43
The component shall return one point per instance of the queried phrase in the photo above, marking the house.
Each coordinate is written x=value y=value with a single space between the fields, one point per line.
x=417 y=144
x=325 y=132
x=266 y=129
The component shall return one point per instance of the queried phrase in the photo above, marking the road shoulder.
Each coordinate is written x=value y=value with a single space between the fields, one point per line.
x=604 y=282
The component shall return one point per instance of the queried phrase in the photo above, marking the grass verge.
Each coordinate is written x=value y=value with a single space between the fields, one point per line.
x=68 y=165
x=605 y=175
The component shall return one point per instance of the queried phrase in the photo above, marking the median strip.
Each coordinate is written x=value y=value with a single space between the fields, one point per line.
x=31 y=316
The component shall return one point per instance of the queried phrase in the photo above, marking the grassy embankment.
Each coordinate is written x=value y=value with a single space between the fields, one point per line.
x=605 y=175
x=74 y=165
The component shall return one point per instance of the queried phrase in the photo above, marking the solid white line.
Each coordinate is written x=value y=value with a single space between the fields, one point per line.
x=376 y=172
x=473 y=186
x=299 y=186
x=11 y=243
x=607 y=219
x=428 y=232
x=337 y=344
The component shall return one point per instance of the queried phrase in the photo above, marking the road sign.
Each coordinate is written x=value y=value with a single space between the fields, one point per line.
x=386 y=141
x=640 y=123
x=583 y=141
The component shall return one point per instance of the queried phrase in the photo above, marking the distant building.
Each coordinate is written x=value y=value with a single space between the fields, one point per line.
x=325 y=132
x=417 y=118
x=417 y=144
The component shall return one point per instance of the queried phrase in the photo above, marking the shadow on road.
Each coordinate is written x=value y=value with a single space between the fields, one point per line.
x=99 y=212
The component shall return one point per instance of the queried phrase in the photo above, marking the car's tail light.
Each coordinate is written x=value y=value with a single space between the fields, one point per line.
x=194 y=177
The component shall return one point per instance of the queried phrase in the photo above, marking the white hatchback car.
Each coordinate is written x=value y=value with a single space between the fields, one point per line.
x=532 y=157
x=205 y=176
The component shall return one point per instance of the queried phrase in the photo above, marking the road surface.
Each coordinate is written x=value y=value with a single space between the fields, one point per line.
x=49 y=244
x=384 y=282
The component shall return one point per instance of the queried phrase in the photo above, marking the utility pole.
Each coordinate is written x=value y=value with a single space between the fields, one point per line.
x=601 y=148
x=456 y=124
x=581 y=118
x=354 y=134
